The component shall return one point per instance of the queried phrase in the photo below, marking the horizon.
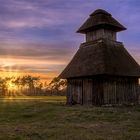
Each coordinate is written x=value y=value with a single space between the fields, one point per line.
x=38 y=37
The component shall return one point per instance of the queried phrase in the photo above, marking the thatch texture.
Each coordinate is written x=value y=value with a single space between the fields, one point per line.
x=101 y=57
x=102 y=71
x=100 y=19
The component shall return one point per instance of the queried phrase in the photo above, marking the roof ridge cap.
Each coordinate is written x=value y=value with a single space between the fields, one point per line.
x=100 y=11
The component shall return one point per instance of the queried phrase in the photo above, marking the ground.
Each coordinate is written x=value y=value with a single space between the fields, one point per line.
x=48 y=118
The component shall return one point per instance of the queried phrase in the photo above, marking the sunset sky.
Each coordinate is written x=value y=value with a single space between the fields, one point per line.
x=38 y=36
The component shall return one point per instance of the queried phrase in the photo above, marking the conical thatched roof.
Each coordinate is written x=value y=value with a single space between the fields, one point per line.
x=101 y=57
x=100 y=19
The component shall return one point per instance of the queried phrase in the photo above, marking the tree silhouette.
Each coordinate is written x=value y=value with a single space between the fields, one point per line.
x=57 y=84
x=30 y=85
x=3 y=87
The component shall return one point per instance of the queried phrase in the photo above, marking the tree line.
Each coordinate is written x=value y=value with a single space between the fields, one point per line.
x=31 y=85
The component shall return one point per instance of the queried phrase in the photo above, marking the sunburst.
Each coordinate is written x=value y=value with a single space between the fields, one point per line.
x=11 y=86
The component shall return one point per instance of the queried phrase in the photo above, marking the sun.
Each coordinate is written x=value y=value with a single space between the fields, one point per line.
x=11 y=86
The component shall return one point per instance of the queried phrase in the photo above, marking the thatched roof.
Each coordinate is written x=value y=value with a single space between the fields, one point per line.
x=101 y=19
x=101 y=57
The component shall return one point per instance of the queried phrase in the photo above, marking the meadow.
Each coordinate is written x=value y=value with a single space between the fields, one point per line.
x=48 y=118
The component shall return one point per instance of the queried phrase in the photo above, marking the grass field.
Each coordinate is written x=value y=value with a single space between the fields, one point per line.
x=48 y=118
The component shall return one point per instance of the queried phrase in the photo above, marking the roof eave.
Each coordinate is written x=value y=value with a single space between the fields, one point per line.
x=115 y=28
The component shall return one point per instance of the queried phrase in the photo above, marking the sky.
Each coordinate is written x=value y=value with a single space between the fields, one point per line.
x=38 y=37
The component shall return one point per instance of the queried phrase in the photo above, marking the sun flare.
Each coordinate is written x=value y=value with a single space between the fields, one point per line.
x=11 y=86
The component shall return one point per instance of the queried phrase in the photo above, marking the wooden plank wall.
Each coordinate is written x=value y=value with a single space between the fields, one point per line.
x=75 y=91
x=120 y=91
x=69 y=97
x=87 y=91
x=101 y=33
x=98 y=96
x=99 y=91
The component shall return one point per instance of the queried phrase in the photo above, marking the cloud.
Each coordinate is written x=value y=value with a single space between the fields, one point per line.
x=32 y=57
x=38 y=68
x=39 y=35
x=34 y=50
x=49 y=20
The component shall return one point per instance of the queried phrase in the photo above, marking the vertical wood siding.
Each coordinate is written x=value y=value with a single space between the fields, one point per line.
x=120 y=91
x=99 y=91
x=87 y=91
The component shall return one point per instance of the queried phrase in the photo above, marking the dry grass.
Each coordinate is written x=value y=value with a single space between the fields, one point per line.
x=42 y=120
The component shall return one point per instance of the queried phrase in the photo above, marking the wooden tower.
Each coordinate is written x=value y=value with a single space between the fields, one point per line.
x=102 y=71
